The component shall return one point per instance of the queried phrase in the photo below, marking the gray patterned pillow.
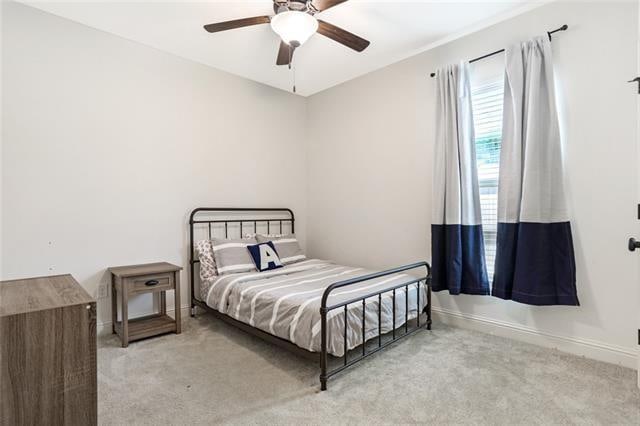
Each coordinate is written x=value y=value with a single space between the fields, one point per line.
x=232 y=255
x=204 y=250
x=287 y=247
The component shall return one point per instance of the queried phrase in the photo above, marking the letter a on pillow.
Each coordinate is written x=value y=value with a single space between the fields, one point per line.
x=265 y=256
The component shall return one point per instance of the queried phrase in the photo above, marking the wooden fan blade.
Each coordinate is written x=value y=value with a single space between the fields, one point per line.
x=284 y=54
x=342 y=36
x=321 y=5
x=237 y=23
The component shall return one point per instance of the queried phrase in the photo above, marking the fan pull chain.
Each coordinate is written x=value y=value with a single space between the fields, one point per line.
x=292 y=47
x=294 y=78
x=292 y=66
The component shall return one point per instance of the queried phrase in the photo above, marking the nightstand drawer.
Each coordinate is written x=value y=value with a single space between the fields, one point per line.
x=150 y=283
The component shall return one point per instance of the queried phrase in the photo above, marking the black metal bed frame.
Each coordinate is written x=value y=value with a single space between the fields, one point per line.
x=325 y=308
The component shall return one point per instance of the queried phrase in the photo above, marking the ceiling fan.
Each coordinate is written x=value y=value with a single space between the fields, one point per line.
x=295 y=21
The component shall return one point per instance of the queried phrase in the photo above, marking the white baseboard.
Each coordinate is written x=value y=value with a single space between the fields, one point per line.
x=104 y=328
x=581 y=347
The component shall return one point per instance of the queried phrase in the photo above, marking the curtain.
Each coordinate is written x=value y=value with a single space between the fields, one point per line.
x=456 y=231
x=535 y=262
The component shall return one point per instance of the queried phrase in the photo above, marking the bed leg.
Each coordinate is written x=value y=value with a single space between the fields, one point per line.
x=323 y=344
x=193 y=311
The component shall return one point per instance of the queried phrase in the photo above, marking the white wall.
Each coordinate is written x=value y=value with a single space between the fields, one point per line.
x=370 y=162
x=108 y=145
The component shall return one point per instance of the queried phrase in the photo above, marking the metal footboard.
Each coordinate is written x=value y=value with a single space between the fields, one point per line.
x=325 y=373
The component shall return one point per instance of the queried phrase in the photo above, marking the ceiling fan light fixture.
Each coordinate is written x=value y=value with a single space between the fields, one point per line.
x=294 y=26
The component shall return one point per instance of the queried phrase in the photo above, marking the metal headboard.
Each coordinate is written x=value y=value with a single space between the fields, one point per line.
x=210 y=217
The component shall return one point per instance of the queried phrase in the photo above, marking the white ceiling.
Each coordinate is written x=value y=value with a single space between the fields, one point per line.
x=396 y=29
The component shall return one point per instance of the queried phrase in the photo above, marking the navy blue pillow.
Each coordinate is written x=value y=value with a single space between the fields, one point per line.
x=265 y=256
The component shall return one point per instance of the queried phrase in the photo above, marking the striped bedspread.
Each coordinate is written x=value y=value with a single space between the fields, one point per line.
x=286 y=302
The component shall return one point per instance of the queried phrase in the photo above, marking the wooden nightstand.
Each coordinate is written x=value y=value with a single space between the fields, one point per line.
x=132 y=280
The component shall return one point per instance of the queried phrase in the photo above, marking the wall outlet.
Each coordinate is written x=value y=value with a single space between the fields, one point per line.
x=103 y=291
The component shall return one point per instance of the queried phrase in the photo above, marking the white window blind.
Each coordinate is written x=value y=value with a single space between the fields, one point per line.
x=487 y=113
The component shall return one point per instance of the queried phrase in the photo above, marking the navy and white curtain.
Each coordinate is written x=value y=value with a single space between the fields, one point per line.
x=458 y=263
x=535 y=261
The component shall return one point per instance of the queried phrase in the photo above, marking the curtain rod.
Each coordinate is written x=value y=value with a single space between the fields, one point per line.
x=488 y=55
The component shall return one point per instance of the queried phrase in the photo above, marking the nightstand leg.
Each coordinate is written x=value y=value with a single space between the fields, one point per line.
x=177 y=303
x=163 y=302
x=125 y=314
x=114 y=306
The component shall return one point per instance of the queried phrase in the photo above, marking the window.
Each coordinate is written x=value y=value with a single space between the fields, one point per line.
x=487 y=114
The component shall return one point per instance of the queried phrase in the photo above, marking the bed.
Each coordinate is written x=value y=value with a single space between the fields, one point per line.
x=304 y=306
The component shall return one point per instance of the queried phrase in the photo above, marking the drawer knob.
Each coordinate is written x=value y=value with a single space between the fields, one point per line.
x=151 y=283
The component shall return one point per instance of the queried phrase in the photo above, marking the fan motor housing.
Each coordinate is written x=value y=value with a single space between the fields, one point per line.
x=296 y=5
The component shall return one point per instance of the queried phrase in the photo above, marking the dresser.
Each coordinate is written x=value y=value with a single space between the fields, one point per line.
x=47 y=352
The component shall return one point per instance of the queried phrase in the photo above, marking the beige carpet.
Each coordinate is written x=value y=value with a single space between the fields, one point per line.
x=213 y=373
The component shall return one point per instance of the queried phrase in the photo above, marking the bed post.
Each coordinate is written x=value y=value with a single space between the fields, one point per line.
x=429 y=302
x=191 y=268
x=323 y=347
x=427 y=309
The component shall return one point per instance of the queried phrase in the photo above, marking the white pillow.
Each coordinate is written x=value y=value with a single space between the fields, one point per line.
x=254 y=235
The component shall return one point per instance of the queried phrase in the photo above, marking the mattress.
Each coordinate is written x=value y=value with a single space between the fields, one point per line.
x=285 y=302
